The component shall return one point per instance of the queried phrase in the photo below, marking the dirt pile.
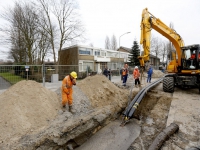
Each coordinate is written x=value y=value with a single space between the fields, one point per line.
x=101 y=92
x=156 y=74
x=26 y=107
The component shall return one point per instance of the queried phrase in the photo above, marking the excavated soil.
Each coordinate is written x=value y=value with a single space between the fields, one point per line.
x=101 y=92
x=31 y=115
x=26 y=107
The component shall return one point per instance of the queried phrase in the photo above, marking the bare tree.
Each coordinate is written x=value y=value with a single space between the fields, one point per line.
x=107 y=43
x=164 y=51
x=113 y=42
x=70 y=26
x=156 y=46
x=170 y=47
x=23 y=31
x=49 y=26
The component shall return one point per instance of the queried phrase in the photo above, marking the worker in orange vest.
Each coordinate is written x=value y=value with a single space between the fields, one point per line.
x=67 y=90
x=136 y=75
x=125 y=74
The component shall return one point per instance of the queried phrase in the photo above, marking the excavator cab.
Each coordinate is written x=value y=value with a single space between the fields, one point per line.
x=190 y=57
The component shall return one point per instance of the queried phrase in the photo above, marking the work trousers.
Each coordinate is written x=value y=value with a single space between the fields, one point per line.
x=67 y=96
x=137 y=81
x=125 y=79
x=149 y=78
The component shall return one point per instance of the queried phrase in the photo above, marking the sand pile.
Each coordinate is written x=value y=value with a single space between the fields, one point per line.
x=102 y=92
x=156 y=74
x=25 y=107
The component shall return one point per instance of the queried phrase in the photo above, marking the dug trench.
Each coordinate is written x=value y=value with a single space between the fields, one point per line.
x=152 y=115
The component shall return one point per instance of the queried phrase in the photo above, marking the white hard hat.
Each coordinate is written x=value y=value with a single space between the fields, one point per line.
x=136 y=67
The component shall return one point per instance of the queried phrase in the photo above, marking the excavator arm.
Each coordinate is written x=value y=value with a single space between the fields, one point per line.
x=150 y=22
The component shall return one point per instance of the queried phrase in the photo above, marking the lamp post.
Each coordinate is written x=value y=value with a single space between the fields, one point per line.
x=119 y=48
x=121 y=36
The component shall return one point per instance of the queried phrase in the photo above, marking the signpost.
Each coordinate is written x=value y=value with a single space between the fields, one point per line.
x=27 y=69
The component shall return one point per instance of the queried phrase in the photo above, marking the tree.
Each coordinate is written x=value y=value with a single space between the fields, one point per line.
x=107 y=43
x=169 y=46
x=23 y=32
x=135 y=52
x=113 y=42
x=156 y=47
x=38 y=27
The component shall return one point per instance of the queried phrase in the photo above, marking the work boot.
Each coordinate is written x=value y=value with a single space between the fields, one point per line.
x=63 y=107
x=71 y=109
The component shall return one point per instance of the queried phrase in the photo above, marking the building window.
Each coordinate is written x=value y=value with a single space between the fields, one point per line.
x=97 y=53
x=85 y=51
x=103 y=53
x=88 y=65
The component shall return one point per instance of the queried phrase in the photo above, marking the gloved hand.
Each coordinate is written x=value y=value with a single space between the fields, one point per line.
x=74 y=81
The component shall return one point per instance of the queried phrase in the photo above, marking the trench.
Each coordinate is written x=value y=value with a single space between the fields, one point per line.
x=147 y=116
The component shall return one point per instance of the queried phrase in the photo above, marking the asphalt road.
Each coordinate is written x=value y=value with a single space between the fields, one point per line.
x=4 y=84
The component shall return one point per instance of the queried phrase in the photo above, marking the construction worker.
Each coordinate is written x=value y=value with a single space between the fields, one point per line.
x=149 y=72
x=67 y=90
x=136 y=75
x=125 y=74
x=105 y=72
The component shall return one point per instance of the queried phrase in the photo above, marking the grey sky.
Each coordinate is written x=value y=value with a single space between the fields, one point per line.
x=107 y=17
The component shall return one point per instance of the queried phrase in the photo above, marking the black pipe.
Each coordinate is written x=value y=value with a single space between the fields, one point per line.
x=137 y=99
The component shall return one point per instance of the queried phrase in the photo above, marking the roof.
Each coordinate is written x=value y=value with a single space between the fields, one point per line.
x=89 y=47
x=124 y=48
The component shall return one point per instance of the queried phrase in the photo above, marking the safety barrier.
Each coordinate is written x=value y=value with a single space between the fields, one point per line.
x=11 y=74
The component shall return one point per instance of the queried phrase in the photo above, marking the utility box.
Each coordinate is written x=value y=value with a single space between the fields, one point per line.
x=54 y=78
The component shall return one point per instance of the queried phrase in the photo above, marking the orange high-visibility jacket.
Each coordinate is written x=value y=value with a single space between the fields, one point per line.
x=67 y=91
x=124 y=71
x=136 y=74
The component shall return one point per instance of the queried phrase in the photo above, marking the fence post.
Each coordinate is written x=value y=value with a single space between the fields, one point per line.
x=43 y=74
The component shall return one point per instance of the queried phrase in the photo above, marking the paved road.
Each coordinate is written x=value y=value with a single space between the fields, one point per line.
x=4 y=84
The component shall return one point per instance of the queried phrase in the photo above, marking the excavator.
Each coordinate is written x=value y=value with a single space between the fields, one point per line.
x=184 y=70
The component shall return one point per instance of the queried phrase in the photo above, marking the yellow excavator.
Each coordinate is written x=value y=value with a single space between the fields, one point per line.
x=184 y=69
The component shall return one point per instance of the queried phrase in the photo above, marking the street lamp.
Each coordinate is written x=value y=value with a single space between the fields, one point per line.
x=121 y=36
x=119 y=49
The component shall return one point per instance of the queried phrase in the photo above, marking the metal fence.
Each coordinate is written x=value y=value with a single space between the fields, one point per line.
x=11 y=74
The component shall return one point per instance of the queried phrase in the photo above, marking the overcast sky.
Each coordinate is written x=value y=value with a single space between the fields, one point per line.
x=107 y=17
